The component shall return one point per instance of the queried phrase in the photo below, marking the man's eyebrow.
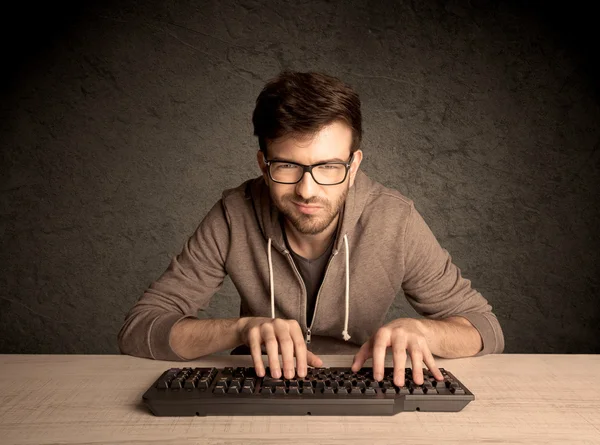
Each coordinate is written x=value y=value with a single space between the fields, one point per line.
x=319 y=162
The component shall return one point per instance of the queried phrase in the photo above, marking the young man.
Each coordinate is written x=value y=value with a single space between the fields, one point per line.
x=318 y=252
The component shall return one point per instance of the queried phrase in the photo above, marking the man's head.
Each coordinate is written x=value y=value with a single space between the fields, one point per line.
x=307 y=119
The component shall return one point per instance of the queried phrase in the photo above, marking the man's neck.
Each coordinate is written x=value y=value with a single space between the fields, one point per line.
x=310 y=246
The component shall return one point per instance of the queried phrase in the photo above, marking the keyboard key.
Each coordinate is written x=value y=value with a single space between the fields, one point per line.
x=416 y=390
x=272 y=382
x=222 y=384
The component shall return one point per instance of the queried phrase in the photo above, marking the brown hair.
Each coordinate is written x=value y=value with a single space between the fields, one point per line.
x=296 y=104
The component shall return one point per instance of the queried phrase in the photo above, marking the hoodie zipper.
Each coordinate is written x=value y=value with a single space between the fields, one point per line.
x=291 y=260
x=309 y=328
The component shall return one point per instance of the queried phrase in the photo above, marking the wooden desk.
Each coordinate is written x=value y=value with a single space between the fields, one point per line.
x=96 y=399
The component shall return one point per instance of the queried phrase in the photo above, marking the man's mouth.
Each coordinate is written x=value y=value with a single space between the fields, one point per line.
x=307 y=209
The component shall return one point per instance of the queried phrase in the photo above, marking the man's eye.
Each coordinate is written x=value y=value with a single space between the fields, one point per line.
x=329 y=167
x=284 y=166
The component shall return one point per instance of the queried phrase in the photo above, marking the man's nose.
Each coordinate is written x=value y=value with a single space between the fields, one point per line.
x=307 y=187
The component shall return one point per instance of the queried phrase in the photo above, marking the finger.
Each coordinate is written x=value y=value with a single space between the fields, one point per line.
x=417 y=367
x=286 y=349
x=361 y=356
x=272 y=350
x=430 y=362
x=314 y=360
x=399 y=352
x=254 y=341
x=380 y=344
x=299 y=350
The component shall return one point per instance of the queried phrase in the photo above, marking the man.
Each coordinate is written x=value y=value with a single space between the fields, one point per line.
x=318 y=252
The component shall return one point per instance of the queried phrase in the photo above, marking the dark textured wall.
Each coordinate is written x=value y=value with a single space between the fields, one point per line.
x=122 y=123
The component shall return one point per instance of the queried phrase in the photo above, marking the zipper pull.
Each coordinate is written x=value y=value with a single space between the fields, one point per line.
x=308 y=336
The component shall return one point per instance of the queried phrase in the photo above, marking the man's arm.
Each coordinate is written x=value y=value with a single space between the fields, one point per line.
x=192 y=338
x=185 y=287
x=434 y=286
x=460 y=321
x=451 y=337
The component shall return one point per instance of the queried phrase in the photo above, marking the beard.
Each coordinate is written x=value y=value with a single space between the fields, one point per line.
x=310 y=224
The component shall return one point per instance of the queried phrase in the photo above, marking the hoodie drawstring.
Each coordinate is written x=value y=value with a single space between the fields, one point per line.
x=271 y=280
x=345 y=334
x=345 y=331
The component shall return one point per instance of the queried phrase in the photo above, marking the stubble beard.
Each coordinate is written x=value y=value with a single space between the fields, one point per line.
x=310 y=224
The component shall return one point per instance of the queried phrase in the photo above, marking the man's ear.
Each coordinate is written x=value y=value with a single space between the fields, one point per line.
x=261 y=164
x=358 y=156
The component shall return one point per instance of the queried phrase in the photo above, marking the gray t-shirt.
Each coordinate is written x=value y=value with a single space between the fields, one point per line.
x=312 y=272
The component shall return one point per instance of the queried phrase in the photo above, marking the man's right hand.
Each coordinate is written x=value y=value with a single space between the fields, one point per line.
x=279 y=337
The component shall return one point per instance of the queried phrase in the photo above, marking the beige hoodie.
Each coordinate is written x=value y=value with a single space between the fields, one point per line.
x=382 y=246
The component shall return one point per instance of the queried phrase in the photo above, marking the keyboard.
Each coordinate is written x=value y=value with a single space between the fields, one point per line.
x=323 y=392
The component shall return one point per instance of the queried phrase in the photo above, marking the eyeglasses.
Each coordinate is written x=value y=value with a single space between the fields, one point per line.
x=324 y=173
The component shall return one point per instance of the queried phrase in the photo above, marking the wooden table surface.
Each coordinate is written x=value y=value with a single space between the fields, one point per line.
x=97 y=399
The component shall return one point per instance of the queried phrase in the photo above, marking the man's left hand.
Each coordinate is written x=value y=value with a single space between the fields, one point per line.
x=402 y=335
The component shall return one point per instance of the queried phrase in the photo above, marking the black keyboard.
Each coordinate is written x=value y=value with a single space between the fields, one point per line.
x=324 y=391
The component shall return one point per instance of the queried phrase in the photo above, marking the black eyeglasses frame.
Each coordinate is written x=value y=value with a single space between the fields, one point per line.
x=309 y=168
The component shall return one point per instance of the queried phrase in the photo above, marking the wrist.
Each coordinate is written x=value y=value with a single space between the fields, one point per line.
x=240 y=327
x=426 y=328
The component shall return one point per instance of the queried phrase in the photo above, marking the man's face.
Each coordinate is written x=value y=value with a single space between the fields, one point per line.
x=308 y=206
